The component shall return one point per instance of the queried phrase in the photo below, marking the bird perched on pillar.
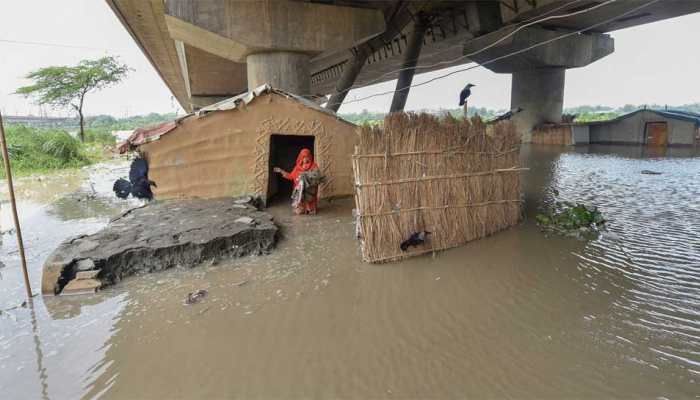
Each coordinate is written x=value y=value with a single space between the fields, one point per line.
x=464 y=95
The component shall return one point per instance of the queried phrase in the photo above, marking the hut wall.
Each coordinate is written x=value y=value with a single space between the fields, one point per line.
x=225 y=153
x=458 y=180
x=581 y=134
x=553 y=134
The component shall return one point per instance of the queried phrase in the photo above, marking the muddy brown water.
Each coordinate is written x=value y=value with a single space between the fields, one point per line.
x=515 y=315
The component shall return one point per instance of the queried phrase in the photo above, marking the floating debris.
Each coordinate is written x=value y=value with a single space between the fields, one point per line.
x=648 y=172
x=195 y=297
x=569 y=219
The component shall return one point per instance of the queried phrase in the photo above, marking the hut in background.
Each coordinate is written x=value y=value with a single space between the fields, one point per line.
x=654 y=128
x=229 y=148
x=649 y=127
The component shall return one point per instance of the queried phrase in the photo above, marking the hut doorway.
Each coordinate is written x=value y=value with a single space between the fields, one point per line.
x=657 y=133
x=283 y=153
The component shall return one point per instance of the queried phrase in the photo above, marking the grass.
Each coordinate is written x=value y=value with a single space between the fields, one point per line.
x=36 y=150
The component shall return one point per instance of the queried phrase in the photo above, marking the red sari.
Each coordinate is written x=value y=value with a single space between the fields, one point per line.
x=299 y=168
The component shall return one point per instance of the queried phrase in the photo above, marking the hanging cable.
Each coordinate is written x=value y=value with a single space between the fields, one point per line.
x=51 y=45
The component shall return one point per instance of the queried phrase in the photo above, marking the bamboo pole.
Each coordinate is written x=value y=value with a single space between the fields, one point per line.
x=8 y=174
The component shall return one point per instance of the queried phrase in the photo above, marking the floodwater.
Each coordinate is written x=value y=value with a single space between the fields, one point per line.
x=515 y=315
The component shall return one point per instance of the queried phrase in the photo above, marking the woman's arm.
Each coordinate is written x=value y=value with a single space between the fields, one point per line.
x=285 y=174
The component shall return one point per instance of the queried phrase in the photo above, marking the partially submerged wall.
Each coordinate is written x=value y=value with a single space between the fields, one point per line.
x=553 y=134
x=631 y=130
x=456 y=179
x=225 y=153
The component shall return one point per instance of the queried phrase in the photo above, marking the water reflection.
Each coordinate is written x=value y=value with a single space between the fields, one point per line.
x=514 y=315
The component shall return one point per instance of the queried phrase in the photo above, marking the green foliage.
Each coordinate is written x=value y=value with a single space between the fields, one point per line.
x=365 y=117
x=592 y=117
x=100 y=136
x=60 y=145
x=571 y=219
x=34 y=150
x=66 y=86
x=109 y=123
x=62 y=86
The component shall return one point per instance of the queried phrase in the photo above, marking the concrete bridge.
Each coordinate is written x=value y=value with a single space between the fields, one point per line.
x=208 y=50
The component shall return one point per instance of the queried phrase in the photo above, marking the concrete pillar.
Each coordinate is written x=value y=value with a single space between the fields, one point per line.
x=540 y=93
x=285 y=70
x=413 y=47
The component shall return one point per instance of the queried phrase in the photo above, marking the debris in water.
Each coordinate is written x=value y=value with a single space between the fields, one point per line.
x=195 y=297
x=648 y=172
x=566 y=218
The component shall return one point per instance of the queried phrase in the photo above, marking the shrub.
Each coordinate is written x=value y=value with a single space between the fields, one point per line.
x=101 y=136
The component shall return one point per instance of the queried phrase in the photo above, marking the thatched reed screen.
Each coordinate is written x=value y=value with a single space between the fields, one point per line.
x=458 y=179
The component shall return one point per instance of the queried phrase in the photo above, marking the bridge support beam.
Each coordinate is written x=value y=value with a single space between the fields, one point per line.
x=538 y=70
x=275 y=38
x=415 y=43
x=540 y=93
x=285 y=70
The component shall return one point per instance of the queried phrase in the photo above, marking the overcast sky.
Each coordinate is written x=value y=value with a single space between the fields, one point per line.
x=654 y=63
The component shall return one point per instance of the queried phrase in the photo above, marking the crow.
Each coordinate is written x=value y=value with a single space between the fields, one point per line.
x=465 y=93
x=416 y=239
x=506 y=116
x=138 y=185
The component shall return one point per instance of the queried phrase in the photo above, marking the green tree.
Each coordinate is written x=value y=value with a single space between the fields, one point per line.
x=66 y=86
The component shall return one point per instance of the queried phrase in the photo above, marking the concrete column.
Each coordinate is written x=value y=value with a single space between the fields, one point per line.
x=413 y=47
x=540 y=93
x=285 y=70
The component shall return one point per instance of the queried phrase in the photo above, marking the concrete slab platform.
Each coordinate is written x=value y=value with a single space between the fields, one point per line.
x=159 y=236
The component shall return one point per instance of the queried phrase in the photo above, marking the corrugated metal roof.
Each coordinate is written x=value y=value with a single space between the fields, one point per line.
x=248 y=97
x=145 y=135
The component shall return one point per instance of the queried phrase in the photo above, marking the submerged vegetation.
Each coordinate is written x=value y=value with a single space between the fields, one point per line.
x=40 y=150
x=569 y=219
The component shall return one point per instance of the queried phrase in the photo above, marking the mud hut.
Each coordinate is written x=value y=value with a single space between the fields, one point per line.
x=229 y=148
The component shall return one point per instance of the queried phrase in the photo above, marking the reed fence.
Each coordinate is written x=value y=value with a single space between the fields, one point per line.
x=458 y=179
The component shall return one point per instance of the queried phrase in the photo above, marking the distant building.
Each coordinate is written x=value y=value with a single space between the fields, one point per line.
x=648 y=127
x=659 y=128
x=229 y=148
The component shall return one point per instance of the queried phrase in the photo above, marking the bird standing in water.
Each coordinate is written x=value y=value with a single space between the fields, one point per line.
x=464 y=95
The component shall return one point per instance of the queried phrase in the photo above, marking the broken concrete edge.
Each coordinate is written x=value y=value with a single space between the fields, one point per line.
x=256 y=235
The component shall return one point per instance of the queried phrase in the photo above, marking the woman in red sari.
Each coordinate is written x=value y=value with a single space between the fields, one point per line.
x=306 y=177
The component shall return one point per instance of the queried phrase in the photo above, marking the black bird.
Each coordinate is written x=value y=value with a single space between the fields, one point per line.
x=506 y=116
x=138 y=184
x=416 y=239
x=465 y=93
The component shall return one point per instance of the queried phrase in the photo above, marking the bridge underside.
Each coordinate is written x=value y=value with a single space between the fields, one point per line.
x=209 y=50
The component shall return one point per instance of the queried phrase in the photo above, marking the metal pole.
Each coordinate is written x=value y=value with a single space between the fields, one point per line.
x=8 y=174
x=350 y=73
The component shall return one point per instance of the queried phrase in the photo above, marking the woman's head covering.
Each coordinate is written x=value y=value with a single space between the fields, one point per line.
x=300 y=166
